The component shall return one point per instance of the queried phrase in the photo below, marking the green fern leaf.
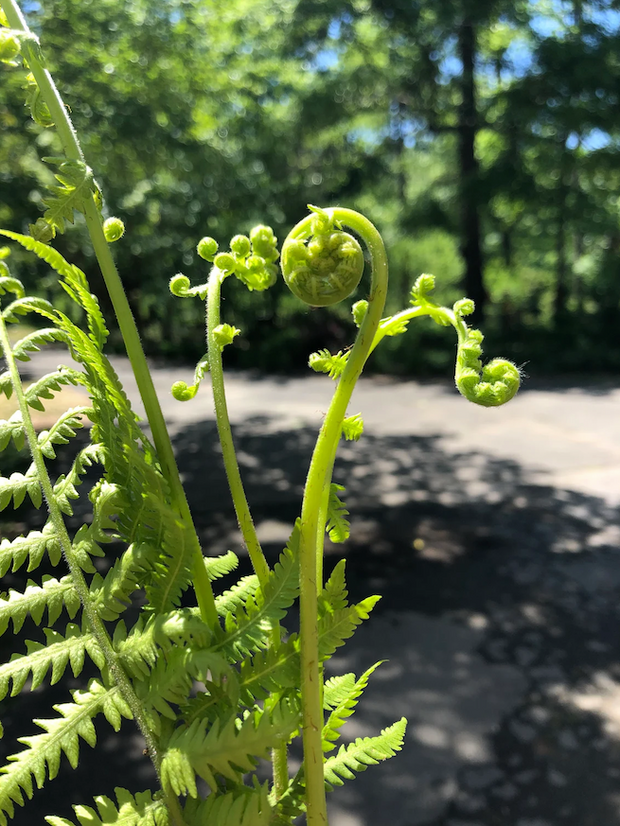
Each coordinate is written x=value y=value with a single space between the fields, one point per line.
x=31 y=548
x=75 y=191
x=12 y=428
x=364 y=752
x=6 y=384
x=218 y=566
x=232 y=599
x=112 y=594
x=241 y=807
x=337 y=619
x=324 y=362
x=140 y=810
x=17 y=485
x=342 y=694
x=62 y=431
x=225 y=748
x=33 y=342
x=52 y=594
x=48 y=385
x=57 y=652
x=30 y=304
x=75 y=284
x=61 y=734
x=338 y=526
x=246 y=628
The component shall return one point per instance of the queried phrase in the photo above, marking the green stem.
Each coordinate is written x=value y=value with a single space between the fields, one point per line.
x=79 y=583
x=279 y=755
x=126 y=322
x=240 y=502
x=319 y=476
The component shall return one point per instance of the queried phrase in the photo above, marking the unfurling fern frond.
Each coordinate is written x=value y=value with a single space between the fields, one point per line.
x=33 y=342
x=364 y=752
x=338 y=526
x=61 y=734
x=142 y=809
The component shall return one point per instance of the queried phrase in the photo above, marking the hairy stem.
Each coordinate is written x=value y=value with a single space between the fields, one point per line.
x=242 y=510
x=312 y=517
x=79 y=583
x=126 y=321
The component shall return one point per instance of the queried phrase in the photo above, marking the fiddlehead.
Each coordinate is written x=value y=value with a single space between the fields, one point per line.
x=321 y=264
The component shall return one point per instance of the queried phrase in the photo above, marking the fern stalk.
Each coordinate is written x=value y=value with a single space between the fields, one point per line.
x=79 y=583
x=126 y=322
x=314 y=515
x=242 y=510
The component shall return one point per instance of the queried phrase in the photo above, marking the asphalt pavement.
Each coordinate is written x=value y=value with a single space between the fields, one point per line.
x=493 y=536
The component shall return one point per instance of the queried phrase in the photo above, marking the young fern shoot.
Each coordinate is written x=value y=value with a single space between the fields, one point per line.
x=215 y=686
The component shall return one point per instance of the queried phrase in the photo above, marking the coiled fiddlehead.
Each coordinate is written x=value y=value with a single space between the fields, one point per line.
x=321 y=264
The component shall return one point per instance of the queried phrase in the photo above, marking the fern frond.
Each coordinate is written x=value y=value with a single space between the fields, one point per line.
x=6 y=384
x=173 y=676
x=364 y=752
x=12 y=428
x=341 y=694
x=33 y=342
x=140 y=810
x=241 y=807
x=48 y=385
x=218 y=566
x=324 y=362
x=232 y=599
x=31 y=547
x=57 y=652
x=246 y=627
x=17 y=485
x=75 y=190
x=338 y=526
x=75 y=283
x=112 y=594
x=29 y=304
x=226 y=749
x=337 y=619
x=61 y=734
x=53 y=595
x=63 y=430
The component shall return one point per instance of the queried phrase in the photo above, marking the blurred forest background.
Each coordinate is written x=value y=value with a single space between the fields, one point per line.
x=482 y=137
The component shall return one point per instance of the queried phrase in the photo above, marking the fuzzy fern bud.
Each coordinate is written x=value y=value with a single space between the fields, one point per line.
x=353 y=427
x=464 y=307
x=42 y=231
x=264 y=243
x=240 y=246
x=490 y=386
x=113 y=229
x=359 y=310
x=225 y=262
x=182 y=392
x=321 y=265
x=207 y=248
x=424 y=285
x=224 y=335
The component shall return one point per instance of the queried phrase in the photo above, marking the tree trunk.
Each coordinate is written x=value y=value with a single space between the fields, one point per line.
x=471 y=248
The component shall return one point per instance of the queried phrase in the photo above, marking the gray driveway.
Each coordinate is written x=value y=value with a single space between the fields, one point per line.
x=493 y=536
